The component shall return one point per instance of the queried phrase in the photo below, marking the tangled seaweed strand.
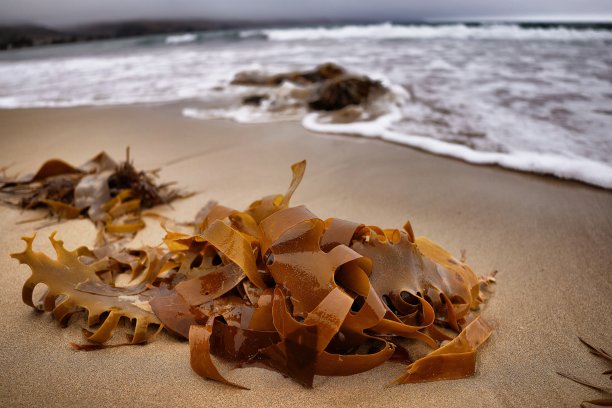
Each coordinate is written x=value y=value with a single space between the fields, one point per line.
x=277 y=286
x=110 y=194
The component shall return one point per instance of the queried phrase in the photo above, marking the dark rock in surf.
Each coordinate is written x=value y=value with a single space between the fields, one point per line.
x=254 y=100
x=328 y=87
x=320 y=74
x=340 y=92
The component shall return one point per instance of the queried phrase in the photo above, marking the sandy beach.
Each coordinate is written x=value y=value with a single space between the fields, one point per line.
x=549 y=239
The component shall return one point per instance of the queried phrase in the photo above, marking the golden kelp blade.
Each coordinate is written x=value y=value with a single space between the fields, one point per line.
x=62 y=276
x=234 y=246
x=62 y=210
x=261 y=209
x=201 y=360
x=457 y=359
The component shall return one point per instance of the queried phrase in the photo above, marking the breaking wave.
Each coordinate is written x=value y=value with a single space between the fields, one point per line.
x=582 y=169
x=181 y=38
x=454 y=31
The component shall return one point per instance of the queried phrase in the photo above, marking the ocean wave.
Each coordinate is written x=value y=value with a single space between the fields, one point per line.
x=181 y=38
x=453 y=31
x=539 y=106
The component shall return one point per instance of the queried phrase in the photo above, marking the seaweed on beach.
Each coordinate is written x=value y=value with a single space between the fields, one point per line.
x=111 y=194
x=277 y=286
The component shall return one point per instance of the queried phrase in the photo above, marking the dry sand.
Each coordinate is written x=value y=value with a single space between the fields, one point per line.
x=551 y=241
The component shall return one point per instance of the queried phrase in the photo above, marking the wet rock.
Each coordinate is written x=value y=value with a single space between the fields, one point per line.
x=347 y=90
x=320 y=74
x=254 y=100
x=254 y=78
x=328 y=87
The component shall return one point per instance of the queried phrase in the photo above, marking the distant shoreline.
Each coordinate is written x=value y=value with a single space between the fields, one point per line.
x=17 y=36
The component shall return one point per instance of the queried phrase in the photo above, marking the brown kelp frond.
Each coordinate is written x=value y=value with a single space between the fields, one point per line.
x=268 y=205
x=201 y=359
x=110 y=194
x=455 y=360
x=64 y=298
x=277 y=286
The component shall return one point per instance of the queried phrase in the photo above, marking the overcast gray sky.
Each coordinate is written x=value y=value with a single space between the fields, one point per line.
x=64 y=12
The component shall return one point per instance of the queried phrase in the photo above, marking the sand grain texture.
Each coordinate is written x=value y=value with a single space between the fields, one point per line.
x=549 y=239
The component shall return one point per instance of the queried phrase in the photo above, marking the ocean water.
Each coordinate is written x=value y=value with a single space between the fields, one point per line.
x=529 y=99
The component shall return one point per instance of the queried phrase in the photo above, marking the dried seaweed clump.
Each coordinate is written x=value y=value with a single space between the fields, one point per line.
x=110 y=194
x=275 y=285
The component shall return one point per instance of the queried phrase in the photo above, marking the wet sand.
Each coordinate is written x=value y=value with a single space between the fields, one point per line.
x=549 y=239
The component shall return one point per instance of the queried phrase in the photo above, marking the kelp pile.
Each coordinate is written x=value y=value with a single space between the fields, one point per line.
x=276 y=286
x=111 y=194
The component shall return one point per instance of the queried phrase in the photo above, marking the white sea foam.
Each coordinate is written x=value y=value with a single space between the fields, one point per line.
x=456 y=31
x=581 y=169
x=181 y=38
x=241 y=114
x=109 y=79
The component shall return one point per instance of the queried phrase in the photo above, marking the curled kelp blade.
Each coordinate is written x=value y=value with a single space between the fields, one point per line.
x=214 y=284
x=339 y=232
x=51 y=168
x=299 y=264
x=261 y=318
x=418 y=274
x=201 y=360
x=268 y=205
x=239 y=344
x=238 y=220
x=332 y=364
x=457 y=359
x=233 y=244
x=297 y=353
